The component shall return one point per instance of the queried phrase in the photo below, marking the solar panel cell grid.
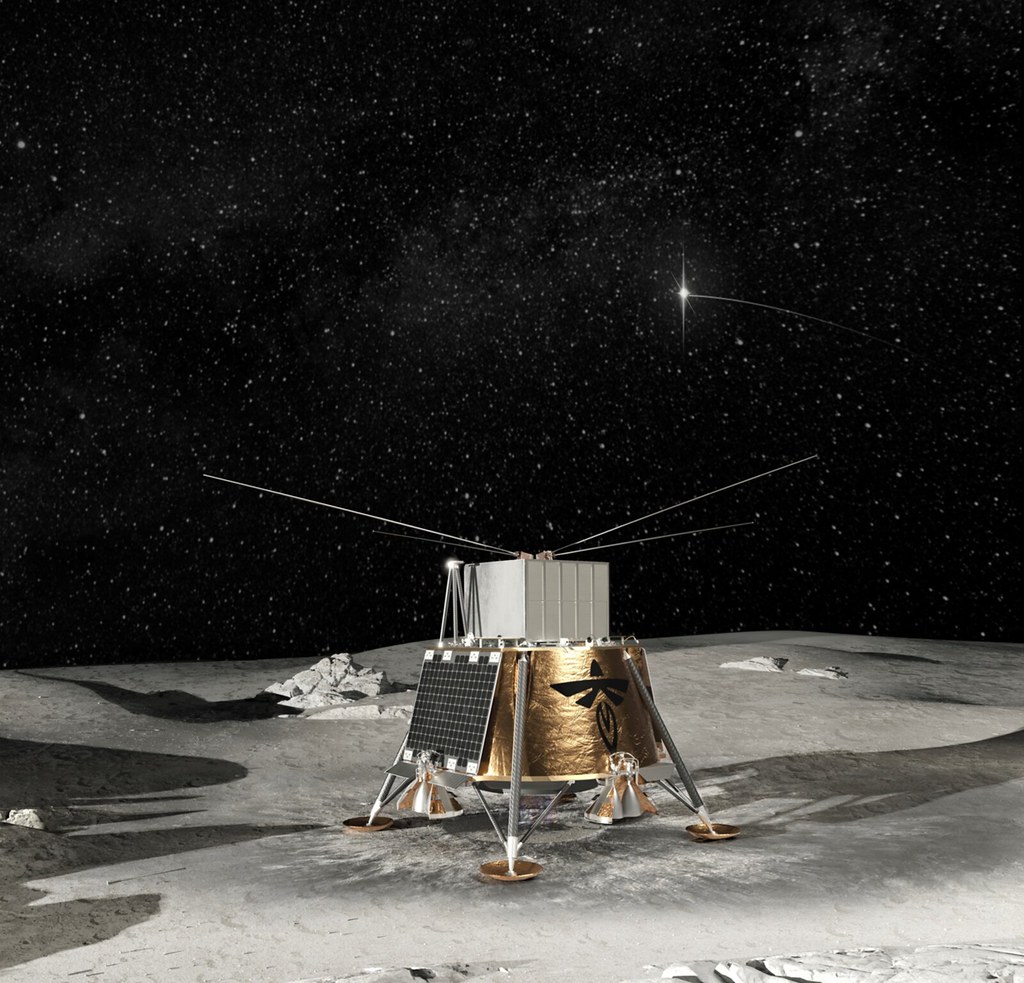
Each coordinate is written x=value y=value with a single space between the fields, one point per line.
x=453 y=707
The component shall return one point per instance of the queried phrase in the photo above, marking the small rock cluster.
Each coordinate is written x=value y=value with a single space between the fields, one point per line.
x=924 y=964
x=964 y=963
x=452 y=973
x=829 y=672
x=334 y=680
x=760 y=663
x=50 y=818
x=770 y=663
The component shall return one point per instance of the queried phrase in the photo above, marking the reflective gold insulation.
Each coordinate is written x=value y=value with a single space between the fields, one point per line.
x=430 y=800
x=582 y=706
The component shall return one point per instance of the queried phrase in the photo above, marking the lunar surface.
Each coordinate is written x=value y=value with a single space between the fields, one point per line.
x=191 y=829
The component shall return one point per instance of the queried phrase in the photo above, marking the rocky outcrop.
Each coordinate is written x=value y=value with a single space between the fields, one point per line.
x=771 y=663
x=50 y=818
x=333 y=681
x=760 y=663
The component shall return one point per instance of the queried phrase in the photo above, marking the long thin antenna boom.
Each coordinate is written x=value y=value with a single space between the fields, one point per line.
x=648 y=539
x=443 y=542
x=365 y=515
x=650 y=515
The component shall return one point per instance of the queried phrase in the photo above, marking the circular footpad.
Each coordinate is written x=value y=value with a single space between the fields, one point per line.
x=718 y=831
x=497 y=870
x=361 y=824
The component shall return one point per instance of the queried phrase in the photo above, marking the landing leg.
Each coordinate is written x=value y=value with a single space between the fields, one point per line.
x=696 y=802
x=512 y=868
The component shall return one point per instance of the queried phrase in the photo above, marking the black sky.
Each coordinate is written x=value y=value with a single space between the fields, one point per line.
x=421 y=260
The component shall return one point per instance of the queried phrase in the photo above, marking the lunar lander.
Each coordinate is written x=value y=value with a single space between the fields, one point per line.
x=533 y=697
x=527 y=694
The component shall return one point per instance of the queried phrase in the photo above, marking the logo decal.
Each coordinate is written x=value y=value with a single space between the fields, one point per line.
x=612 y=693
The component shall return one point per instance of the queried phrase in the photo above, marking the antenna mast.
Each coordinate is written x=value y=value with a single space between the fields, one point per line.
x=650 y=515
x=365 y=515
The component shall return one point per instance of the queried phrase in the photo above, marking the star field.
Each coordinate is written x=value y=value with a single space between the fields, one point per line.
x=422 y=261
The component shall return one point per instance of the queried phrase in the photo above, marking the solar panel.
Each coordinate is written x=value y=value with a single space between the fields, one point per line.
x=453 y=707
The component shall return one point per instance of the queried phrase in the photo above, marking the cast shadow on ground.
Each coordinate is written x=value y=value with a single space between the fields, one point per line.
x=897 y=657
x=587 y=864
x=869 y=783
x=176 y=704
x=103 y=849
x=830 y=786
x=42 y=929
x=35 y=774
x=133 y=799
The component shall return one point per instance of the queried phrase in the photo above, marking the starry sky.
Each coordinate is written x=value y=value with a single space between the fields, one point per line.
x=422 y=260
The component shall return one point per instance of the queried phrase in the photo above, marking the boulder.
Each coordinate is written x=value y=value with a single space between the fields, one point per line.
x=760 y=663
x=830 y=672
x=334 y=680
x=50 y=818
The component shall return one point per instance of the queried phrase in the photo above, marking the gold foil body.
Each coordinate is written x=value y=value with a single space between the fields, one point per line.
x=582 y=705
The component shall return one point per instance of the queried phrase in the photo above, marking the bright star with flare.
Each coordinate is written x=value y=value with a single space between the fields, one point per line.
x=685 y=297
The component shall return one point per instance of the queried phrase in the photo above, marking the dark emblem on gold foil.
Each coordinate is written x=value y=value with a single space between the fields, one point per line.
x=613 y=691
